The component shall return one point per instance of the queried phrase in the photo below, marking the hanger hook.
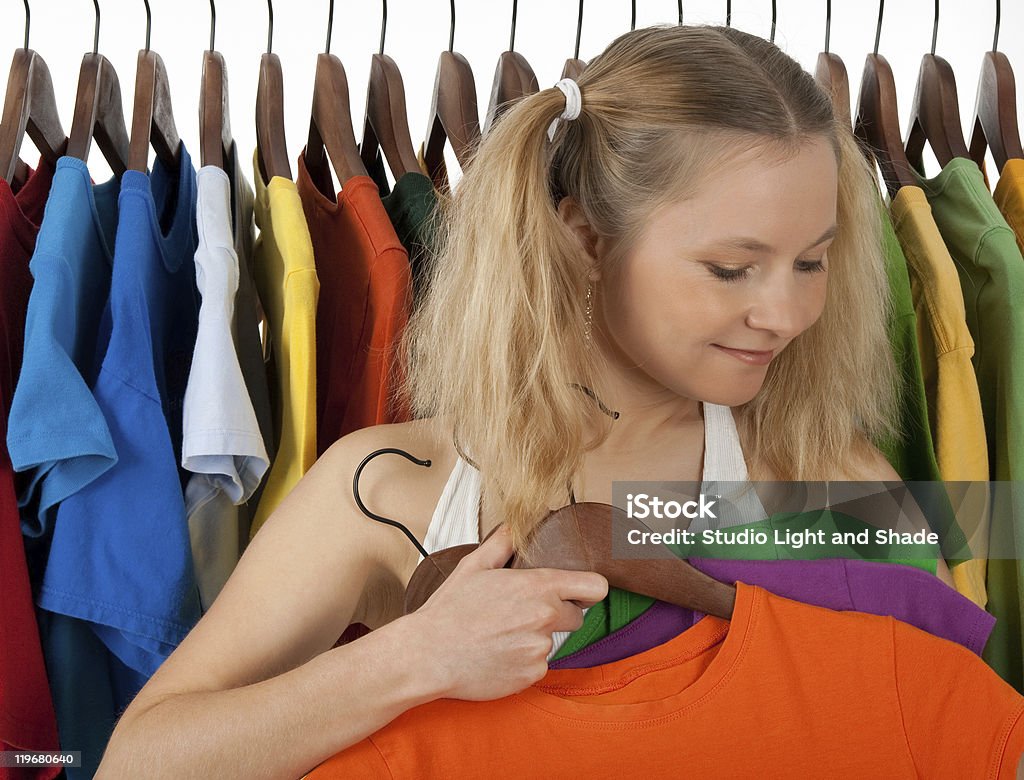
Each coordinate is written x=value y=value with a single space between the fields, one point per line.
x=579 y=30
x=270 y=26
x=512 y=35
x=632 y=23
x=828 y=22
x=995 y=35
x=774 y=17
x=149 y=22
x=451 y=29
x=878 y=27
x=728 y=13
x=96 y=28
x=330 y=26
x=28 y=20
x=935 y=26
x=383 y=25
x=378 y=518
x=213 y=23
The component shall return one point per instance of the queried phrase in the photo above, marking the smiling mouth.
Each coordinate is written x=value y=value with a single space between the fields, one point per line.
x=750 y=357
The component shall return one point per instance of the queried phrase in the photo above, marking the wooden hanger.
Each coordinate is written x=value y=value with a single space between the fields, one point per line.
x=29 y=107
x=271 y=146
x=454 y=116
x=995 y=110
x=513 y=78
x=330 y=124
x=98 y=112
x=152 y=116
x=878 y=121
x=830 y=73
x=573 y=69
x=577 y=537
x=935 y=112
x=215 y=140
x=386 y=127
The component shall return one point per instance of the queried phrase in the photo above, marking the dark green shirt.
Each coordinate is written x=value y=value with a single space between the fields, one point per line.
x=412 y=207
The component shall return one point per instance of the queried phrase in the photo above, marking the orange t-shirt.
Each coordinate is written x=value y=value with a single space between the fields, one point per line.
x=365 y=298
x=784 y=688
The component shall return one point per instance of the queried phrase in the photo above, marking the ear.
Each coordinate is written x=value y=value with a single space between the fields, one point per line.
x=572 y=215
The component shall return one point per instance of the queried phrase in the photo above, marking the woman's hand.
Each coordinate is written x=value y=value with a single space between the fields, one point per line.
x=489 y=628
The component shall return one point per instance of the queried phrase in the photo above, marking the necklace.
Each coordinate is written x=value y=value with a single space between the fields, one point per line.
x=611 y=413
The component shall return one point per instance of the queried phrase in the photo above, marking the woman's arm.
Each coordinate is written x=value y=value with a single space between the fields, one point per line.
x=257 y=690
x=280 y=727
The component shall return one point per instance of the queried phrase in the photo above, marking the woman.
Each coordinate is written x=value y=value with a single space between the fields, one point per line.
x=691 y=265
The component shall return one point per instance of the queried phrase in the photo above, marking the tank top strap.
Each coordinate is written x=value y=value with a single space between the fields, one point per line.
x=456 y=517
x=724 y=463
x=723 y=453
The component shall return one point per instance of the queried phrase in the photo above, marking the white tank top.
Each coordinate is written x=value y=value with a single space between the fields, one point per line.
x=455 y=519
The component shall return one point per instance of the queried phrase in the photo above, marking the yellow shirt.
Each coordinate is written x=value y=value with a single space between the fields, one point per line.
x=288 y=288
x=1009 y=197
x=954 y=404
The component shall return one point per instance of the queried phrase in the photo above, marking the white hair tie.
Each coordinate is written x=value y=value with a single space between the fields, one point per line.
x=573 y=104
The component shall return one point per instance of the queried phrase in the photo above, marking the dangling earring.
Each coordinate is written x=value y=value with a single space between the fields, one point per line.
x=588 y=321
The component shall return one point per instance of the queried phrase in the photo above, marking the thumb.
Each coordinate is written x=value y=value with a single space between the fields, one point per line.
x=494 y=552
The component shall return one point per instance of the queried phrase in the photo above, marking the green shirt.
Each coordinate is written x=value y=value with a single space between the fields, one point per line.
x=991 y=271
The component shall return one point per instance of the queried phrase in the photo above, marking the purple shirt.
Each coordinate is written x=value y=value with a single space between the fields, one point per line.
x=903 y=592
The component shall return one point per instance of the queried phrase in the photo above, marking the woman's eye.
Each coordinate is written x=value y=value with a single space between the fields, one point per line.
x=728 y=274
x=811 y=266
x=736 y=274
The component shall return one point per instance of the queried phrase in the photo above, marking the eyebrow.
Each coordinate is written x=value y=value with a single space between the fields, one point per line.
x=755 y=245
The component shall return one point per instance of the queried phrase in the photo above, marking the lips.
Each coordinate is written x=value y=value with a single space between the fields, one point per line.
x=749 y=356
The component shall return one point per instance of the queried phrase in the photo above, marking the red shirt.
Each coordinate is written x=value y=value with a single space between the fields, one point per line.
x=27 y=720
x=365 y=298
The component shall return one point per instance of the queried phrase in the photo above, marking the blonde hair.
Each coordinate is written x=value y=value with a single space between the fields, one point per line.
x=496 y=345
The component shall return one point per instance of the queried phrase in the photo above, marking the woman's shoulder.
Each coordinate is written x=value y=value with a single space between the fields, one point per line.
x=390 y=484
x=867 y=464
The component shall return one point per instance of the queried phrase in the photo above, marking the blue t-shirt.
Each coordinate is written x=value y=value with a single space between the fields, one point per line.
x=120 y=556
x=56 y=430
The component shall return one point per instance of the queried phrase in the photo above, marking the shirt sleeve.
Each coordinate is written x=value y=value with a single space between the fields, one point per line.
x=959 y=716
x=362 y=760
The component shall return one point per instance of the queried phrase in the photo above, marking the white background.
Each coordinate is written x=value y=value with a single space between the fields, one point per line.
x=417 y=31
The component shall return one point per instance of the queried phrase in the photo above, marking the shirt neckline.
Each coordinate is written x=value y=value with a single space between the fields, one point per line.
x=730 y=636
x=18 y=204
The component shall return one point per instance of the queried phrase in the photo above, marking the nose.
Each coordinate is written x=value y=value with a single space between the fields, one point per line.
x=783 y=307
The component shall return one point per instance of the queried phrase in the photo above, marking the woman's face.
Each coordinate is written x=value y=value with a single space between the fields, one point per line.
x=720 y=283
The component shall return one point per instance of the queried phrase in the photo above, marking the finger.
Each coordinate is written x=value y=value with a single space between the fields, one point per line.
x=570 y=617
x=493 y=553
x=585 y=587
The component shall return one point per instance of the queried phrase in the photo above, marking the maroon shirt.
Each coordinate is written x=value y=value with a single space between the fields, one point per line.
x=27 y=719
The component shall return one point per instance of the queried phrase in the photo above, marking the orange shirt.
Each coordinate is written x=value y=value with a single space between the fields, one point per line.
x=782 y=687
x=365 y=298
